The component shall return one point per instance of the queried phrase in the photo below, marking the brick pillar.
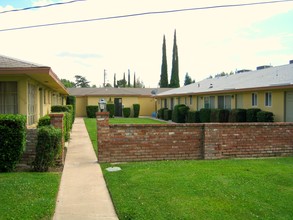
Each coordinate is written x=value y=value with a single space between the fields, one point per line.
x=103 y=135
x=57 y=122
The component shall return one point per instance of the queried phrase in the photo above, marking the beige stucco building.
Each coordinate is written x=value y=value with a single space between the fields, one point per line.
x=29 y=89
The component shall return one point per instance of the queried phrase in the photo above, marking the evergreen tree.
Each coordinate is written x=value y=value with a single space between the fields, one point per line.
x=81 y=82
x=164 y=69
x=129 y=85
x=134 y=81
x=174 y=82
x=115 y=84
x=188 y=80
x=124 y=80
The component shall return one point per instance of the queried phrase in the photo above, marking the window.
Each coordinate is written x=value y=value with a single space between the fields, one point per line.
x=268 y=99
x=31 y=104
x=8 y=98
x=165 y=103
x=224 y=102
x=178 y=100
x=172 y=103
x=254 y=99
x=209 y=102
x=190 y=100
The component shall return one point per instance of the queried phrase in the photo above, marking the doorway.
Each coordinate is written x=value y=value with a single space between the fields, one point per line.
x=118 y=107
x=289 y=107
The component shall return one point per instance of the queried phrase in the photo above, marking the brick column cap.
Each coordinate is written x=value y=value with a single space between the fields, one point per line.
x=105 y=114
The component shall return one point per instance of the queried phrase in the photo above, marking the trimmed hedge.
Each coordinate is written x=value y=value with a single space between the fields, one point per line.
x=48 y=148
x=12 y=140
x=193 y=117
x=111 y=109
x=136 y=109
x=167 y=114
x=264 y=116
x=205 y=115
x=237 y=115
x=219 y=115
x=251 y=114
x=71 y=100
x=44 y=121
x=126 y=112
x=161 y=113
x=179 y=113
x=91 y=111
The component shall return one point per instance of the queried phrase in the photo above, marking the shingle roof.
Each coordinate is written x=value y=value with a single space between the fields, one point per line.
x=7 y=62
x=115 y=91
x=265 y=78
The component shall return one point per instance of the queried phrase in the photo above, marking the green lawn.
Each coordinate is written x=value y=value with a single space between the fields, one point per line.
x=91 y=126
x=218 y=189
x=28 y=195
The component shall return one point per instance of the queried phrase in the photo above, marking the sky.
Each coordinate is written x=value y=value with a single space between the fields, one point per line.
x=209 y=41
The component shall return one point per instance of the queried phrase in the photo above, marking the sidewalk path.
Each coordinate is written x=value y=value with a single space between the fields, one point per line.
x=83 y=193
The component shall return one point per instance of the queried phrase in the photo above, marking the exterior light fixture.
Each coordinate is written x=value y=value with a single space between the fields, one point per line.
x=102 y=105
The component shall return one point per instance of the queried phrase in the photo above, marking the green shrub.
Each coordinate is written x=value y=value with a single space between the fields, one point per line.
x=161 y=113
x=193 y=117
x=251 y=114
x=219 y=115
x=111 y=109
x=48 y=148
x=12 y=140
x=179 y=113
x=237 y=115
x=126 y=112
x=91 y=111
x=71 y=100
x=264 y=116
x=44 y=121
x=167 y=114
x=136 y=109
x=67 y=119
x=205 y=115
x=70 y=107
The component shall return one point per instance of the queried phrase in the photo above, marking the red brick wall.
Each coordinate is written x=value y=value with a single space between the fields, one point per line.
x=118 y=143
x=248 y=140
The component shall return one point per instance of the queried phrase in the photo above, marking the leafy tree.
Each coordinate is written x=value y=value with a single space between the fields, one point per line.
x=139 y=84
x=108 y=85
x=188 y=80
x=81 y=82
x=121 y=83
x=67 y=83
x=174 y=82
x=164 y=69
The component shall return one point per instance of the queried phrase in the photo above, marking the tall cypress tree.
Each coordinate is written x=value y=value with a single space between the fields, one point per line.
x=134 y=81
x=129 y=84
x=164 y=68
x=115 y=84
x=174 y=82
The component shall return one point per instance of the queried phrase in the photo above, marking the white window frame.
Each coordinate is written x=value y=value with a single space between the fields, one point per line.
x=268 y=99
x=254 y=101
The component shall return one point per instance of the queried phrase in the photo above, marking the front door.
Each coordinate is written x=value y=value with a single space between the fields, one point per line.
x=289 y=107
x=118 y=107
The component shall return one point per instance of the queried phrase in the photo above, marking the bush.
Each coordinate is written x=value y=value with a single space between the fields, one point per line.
x=136 y=108
x=219 y=115
x=67 y=118
x=179 y=113
x=48 y=148
x=111 y=109
x=126 y=112
x=161 y=113
x=71 y=100
x=205 y=115
x=264 y=116
x=237 y=115
x=44 y=121
x=193 y=117
x=12 y=140
x=251 y=114
x=167 y=114
x=91 y=110
x=70 y=107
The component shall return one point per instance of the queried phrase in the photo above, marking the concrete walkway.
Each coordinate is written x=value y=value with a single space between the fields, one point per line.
x=83 y=193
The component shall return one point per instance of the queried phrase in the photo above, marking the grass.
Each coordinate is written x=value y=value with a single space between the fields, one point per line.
x=28 y=195
x=220 y=189
x=91 y=126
